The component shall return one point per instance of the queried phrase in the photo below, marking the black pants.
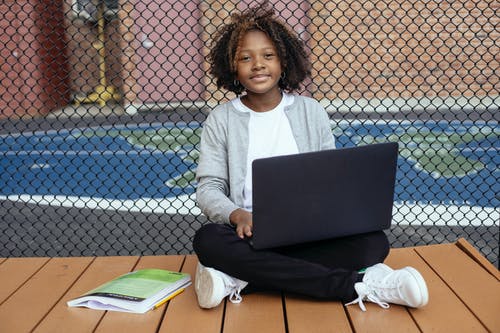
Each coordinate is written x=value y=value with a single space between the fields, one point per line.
x=325 y=269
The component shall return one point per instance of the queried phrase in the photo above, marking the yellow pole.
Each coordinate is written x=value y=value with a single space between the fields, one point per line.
x=102 y=92
x=102 y=50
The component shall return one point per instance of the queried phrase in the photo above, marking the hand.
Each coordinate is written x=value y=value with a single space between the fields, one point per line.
x=242 y=219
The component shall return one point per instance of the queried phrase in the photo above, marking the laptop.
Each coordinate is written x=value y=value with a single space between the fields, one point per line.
x=320 y=195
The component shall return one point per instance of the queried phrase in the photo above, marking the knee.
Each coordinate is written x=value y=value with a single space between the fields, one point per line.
x=373 y=249
x=379 y=246
x=212 y=240
x=204 y=237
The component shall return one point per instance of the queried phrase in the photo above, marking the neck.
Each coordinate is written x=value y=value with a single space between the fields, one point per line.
x=262 y=103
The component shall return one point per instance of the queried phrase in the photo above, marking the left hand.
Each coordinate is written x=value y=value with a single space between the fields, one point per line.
x=242 y=219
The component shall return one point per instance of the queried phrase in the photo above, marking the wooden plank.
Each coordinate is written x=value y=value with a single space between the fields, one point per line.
x=377 y=319
x=476 y=287
x=459 y=282
x=30 y=303
x=183 y=313
x=444 y=312
x=313 y=316
x=481 y=260
x=16 y=271
x=149 y=321
x=259 y=312
x=71 y=320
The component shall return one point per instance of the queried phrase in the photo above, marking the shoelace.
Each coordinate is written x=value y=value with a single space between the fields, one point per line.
x=369 y=295
x=234 y=296
x=234 y=289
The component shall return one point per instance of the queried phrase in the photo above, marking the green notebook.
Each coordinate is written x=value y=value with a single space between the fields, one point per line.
x=138 y=291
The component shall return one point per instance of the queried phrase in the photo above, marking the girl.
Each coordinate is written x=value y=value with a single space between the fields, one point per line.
x=259 y=56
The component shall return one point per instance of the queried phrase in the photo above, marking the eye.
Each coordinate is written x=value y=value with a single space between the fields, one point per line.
x=269 y=55
x=244 y=58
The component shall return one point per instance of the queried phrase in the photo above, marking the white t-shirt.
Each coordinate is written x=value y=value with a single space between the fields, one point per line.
x=269 y=135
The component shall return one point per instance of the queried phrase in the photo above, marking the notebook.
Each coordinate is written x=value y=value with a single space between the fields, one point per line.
x=319 y=195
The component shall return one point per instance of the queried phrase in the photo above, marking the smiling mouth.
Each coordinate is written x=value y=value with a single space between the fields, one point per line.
x=259 y=77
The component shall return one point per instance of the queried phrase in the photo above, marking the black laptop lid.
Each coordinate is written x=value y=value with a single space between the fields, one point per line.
x=319 y=195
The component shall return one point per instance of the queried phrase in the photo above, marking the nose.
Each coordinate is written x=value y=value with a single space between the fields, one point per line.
x=258 y=63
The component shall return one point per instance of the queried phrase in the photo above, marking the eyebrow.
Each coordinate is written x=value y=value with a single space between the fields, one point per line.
x=267 y=48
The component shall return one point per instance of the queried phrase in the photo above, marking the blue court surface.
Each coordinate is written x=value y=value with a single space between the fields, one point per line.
x=441 y=163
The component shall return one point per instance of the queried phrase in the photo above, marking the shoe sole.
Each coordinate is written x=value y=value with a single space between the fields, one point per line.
x=424 y=293
x=204 y=287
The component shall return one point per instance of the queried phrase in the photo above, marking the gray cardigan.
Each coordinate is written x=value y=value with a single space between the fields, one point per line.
x=222 y=163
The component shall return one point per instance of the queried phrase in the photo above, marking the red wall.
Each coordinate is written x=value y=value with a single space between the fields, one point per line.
x=169 y=51
x=34 y=73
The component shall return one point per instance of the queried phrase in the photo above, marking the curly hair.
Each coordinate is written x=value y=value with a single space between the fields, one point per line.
x=295 y=63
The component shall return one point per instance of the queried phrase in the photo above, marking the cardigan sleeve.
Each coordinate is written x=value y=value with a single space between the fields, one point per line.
x=327 y=139
x=212 y=175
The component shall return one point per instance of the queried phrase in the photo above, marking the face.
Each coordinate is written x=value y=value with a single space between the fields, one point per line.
x=258 y=66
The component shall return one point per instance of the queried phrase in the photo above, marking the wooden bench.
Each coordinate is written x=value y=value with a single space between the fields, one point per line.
x=463 y=286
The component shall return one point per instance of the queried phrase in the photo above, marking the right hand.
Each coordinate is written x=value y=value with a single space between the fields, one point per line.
x=243 y=221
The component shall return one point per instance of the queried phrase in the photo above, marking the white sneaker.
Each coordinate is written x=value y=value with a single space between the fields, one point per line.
x=212 y=286
x=382 y=285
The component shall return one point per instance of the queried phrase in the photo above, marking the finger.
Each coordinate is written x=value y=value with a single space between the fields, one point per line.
x=239 y=232
x=248 y=231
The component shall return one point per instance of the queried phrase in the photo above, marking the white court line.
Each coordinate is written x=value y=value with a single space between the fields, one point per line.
x=183 y=204
x=444 y=215
x=403 y=213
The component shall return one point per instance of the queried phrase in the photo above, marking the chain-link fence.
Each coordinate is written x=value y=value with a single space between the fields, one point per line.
x=102 y=102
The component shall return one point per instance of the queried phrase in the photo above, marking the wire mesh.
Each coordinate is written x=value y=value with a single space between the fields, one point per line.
x=102 y=104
